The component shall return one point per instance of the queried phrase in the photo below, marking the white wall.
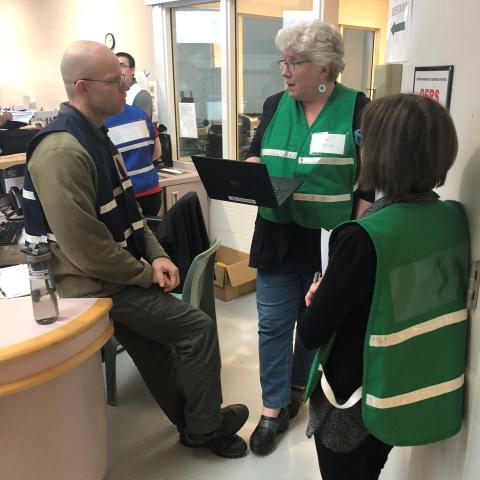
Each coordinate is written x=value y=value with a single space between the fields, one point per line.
x=445 y=32
x=34 y=34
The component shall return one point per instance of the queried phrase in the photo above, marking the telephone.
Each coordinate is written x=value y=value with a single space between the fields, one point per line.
x=11 y=204
x=15 y=195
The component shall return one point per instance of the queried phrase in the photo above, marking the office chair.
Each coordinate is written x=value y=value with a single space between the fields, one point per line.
x=198 y=286
x=197 y=290
x=214 y=141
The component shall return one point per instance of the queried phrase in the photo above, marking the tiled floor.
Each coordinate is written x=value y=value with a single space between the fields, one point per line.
x=144 y=445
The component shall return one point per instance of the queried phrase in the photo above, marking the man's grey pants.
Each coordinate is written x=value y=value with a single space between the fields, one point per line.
x=175 y=348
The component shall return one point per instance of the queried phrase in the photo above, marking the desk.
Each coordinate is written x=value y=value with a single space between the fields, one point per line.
x=52 y=399
x=175 y=186
x=11 y=255
x=14 y=159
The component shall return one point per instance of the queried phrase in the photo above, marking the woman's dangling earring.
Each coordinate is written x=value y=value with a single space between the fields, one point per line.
x=322 y=88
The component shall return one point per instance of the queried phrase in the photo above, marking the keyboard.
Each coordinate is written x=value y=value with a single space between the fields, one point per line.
x=280 y=193
x=10 y=232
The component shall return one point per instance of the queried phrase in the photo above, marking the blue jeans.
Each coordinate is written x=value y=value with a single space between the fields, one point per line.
x=280 y=298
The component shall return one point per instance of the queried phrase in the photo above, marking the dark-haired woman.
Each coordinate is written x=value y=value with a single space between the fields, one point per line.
x=390 y=314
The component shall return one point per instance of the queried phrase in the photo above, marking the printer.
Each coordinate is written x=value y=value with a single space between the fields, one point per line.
x=13 y=141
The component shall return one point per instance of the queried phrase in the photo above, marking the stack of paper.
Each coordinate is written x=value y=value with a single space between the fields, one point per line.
x=14 y=281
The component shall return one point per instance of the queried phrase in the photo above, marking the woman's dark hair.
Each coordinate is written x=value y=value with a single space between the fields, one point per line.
x=408 y=145
x=131 y=60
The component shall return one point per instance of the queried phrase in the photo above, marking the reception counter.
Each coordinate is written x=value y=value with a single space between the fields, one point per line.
x=52 y=398
x=10 y=160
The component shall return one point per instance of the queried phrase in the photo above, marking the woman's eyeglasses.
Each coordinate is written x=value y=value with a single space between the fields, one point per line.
x=290 y=64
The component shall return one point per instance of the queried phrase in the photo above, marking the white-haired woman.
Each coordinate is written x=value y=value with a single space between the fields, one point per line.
x=305 y=132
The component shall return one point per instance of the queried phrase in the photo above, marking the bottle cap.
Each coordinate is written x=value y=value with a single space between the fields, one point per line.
x=37 y=253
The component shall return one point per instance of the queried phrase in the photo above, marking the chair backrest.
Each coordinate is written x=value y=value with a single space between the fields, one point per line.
x=198 y=286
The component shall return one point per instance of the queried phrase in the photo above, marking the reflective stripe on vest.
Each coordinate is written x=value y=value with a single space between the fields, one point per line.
x=417 y=395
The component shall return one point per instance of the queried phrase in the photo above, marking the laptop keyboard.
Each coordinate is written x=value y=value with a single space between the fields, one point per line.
x=10 y=232
x=280 y=193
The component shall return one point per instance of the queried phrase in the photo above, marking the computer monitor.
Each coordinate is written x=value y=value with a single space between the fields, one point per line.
x=16 y=140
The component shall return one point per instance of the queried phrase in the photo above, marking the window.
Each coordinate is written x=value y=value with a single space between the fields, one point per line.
x=197 y=69
x=257 y=75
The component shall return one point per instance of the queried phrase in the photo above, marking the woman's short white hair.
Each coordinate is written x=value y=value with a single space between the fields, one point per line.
x=320 y=42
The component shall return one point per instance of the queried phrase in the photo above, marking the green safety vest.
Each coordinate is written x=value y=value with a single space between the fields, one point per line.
x=323 y=156
x=415 y=346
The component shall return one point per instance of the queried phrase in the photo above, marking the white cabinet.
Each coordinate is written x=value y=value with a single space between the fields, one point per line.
x=174 y=186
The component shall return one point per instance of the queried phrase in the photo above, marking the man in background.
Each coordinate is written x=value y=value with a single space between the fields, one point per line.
x=135 y=137
x=136 y=95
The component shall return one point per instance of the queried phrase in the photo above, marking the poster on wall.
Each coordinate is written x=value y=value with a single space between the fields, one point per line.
x=398 y=31
x=188 y=120
x=434 y=82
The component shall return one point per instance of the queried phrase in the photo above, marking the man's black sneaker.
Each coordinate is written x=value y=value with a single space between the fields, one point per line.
x=228 y=447
x=222 y=441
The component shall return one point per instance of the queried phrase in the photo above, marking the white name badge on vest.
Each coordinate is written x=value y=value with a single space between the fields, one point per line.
x=128 y=132
x=325 y=142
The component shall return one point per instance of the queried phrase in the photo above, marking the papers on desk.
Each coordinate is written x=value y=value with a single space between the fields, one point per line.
x=173 y=171
x=23 y=116
x=14 y=281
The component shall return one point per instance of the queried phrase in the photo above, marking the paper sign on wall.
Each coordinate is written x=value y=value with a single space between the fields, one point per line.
x=398 y=30
x=434 y=82
x=188 y=120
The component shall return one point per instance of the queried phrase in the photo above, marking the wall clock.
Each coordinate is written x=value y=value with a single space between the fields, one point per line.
x=110 y=41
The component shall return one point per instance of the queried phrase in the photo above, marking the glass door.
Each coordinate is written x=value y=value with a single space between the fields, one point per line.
x=197 y=71
x=358 y=59
x=257 y=71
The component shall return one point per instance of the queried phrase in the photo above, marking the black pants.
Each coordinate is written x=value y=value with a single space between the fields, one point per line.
x=175 y=348
x=363 y=463
x=151 y=203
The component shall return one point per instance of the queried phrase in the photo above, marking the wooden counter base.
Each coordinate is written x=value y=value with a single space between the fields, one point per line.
x=52 y=395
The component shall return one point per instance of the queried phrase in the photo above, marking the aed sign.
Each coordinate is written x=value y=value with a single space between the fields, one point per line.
x=435 y=83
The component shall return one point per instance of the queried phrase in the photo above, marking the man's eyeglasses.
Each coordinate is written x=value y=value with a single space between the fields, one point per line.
x=123 y=65
x=290 y=64
x=117 y=81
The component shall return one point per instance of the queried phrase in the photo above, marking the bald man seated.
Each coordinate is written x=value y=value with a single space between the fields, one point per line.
x=79 y=199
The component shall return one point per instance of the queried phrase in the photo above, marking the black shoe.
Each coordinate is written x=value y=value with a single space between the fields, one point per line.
x=297 y=398
x=262 y=440
x=227 y=447
x=234 y=418
x=222 y=441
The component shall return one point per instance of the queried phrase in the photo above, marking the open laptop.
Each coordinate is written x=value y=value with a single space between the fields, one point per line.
x=243 y=182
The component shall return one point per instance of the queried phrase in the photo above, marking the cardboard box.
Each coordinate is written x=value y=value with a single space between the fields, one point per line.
x=233 y=276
